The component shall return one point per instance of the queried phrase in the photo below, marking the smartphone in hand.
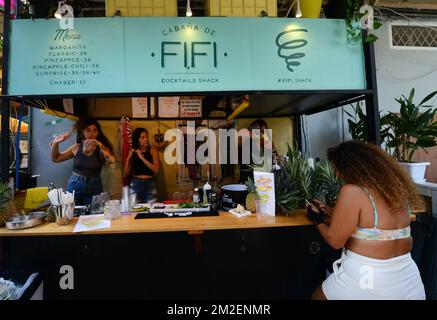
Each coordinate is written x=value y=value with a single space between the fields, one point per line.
x=314 y=207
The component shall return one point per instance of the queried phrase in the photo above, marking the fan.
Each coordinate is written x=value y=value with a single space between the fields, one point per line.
x=157 y=138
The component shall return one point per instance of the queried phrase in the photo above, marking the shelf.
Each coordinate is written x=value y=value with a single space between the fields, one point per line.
x=266 y=104
x=281 y=105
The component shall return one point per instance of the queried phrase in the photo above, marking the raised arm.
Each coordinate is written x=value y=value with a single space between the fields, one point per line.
x=128 y=164
x=58 y=156
x=155 y=158
x=345 y=217
x=106 y=153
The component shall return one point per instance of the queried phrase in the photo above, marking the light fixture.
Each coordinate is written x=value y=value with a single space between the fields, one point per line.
x=58 y=13
x=298 y=11
x=188 y=13
x=65 y=14
x=63 y=9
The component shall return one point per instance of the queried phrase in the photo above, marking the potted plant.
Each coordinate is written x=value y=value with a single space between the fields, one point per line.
x=359 y=125
x=411 y=130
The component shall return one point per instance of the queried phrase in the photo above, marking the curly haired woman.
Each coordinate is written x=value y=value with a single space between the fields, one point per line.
x=92 y=150
x=371 y=222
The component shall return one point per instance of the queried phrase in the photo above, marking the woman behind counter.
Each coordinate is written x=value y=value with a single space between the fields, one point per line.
x=142 y=164
x=90 y=153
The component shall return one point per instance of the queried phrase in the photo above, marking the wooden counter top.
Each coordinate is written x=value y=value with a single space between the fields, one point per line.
x=127 y=224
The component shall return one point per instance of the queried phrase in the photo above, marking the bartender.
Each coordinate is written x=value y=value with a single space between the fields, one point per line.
x=142 y=164
x=90 y=153
x=246 y=170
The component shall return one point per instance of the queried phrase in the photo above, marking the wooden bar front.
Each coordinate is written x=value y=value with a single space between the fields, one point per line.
x=128 y=224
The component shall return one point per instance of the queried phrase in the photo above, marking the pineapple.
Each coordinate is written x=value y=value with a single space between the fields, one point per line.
x=51 y=217
x=326 y=184
x=252 y=195
x=287 y=195
x=7 y=207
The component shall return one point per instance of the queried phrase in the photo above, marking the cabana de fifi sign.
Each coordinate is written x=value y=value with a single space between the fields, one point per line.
x=145 y=54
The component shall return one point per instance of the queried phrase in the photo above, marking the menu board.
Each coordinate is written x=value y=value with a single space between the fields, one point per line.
x=265 y=187
x=46 y=59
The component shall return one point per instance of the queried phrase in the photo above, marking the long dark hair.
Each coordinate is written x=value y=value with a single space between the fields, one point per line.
x=369 y=166
x=136 y=136
x=258 y=124
x=86 y=122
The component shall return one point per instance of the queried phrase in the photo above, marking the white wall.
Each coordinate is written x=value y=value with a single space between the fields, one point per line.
x=397 y=72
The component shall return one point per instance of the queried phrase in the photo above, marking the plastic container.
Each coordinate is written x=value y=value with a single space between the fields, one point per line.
x=196 y=197
x=206 y=191
x=112 y=209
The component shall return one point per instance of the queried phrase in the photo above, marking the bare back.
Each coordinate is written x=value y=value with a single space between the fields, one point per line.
x=388 y=220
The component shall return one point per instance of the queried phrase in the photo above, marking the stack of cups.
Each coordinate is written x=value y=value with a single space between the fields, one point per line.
x=125 y=199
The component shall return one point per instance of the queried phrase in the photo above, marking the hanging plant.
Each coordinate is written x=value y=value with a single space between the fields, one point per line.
x=357 y=19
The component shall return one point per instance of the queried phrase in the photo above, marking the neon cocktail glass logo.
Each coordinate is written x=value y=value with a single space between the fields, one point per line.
x=255 y=146
x=287 y=44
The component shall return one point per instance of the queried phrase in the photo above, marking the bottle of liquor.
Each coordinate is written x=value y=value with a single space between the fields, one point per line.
x=196 y=198
x=206 y=191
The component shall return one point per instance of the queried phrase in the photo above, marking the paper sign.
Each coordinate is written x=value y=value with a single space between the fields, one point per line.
x=191 y=108
x=92 y=222
x=265 y=186
x=168 y=107
x=139 y=107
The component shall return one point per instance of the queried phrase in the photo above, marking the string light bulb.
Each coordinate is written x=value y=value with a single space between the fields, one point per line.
x=62 y=8
x=188 y=13
x=298 y=11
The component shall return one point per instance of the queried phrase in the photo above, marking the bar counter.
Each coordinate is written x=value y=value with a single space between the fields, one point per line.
x=193 y=225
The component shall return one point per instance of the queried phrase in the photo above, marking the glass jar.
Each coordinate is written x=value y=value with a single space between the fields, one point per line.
x=112 y=209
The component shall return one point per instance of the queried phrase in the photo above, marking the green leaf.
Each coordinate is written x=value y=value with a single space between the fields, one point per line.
x=428 y=97
x=350 y=115
x=376 y=25
x=410 y=98
x=426 y=142
x=371 y=38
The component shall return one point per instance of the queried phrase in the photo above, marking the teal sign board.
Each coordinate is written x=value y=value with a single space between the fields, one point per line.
x=203 y=54
x=141 y=55
x=305 y=54
x=48 y=60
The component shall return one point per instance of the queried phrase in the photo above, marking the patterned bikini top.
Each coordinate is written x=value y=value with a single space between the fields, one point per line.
x=379 y=234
